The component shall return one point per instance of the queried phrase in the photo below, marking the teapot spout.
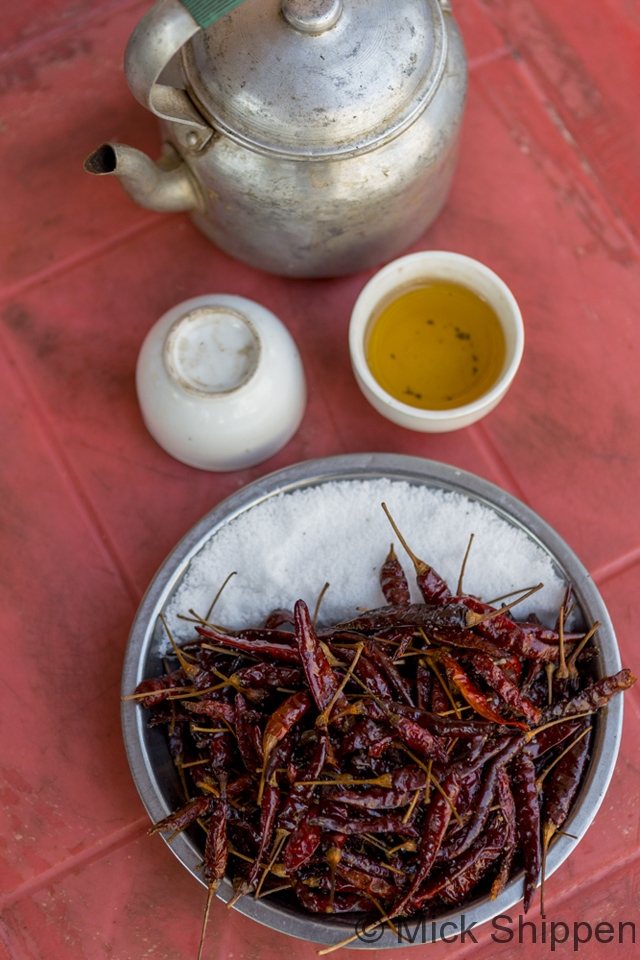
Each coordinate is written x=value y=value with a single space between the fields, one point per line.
x=162 y=186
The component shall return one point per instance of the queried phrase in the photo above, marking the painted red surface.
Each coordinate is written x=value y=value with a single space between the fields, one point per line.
x=547 y=193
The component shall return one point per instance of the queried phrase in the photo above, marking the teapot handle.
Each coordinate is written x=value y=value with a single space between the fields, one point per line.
x=155 y=40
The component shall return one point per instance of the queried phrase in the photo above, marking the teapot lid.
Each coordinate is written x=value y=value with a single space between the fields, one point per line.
x=316 y=79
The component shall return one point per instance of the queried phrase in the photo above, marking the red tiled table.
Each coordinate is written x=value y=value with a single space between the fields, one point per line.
x=547 y=193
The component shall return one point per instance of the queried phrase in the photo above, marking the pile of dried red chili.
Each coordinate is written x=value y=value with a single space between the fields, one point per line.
x=408 y=758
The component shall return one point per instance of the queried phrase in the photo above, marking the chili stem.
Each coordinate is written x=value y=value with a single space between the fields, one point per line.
x=217 y=596
x=281 y=836
x=385 y=780
x=475 y=619
x=432 y=780
x=550 y=669
x=445 y=687
x=356 y=936
x=206 y=623
x=464 y=564
x=571 y=662
x=153 y=693
x=318 y=602
x=419 y=565
x=210 y=893
x=230 y=653
x=412 y=805
x=323 y=718
x=207 y=730
x=552 y=723
x=505 y=596
x=562 y=673
x=285 y=886
x=190 y=670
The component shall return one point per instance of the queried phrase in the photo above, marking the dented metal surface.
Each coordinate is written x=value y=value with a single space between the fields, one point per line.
x=325 y=133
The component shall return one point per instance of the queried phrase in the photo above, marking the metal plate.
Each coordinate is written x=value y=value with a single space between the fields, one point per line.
x=149 y=759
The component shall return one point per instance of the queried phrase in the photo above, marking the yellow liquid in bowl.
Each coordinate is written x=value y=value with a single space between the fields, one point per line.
x=436 y=347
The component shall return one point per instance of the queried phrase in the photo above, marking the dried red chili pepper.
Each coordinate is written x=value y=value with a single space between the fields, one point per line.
x=279 y=651
x=550 y=738
x=184 y=817
x=473 y=695
x=463 y=840
x=508 y=811
x=363 y=735
x=297 y=802
x=592 y=698
x=159 y=688
x=283 y=719
x=376 y=886
x=318 y=902
x=277 y=618
x=216 y=709
x=423 y=686
x=244 y=724
x=268 y=811
x=333 y=819
x=216 y=849
x=431 y=585
x=525 y=794
x=508 y=634
x=435 y=826
x=446 y=726
x=405 y=782
x=302 y=844
x=367 y=864
x=267 y=676
x=393 y=581
x=400 y=686
x=321 y=679
x=372 y=678
x=563 y=783
x=457 y=880
x=498 y=680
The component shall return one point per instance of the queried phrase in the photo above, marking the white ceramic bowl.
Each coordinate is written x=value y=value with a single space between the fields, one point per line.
x=419 y=268
x=220 y=383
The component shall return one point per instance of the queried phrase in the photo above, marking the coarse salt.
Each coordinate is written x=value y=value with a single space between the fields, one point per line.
x=287 y=546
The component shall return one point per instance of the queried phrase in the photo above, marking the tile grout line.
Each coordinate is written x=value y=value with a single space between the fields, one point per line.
x=97 y=851
x=597 y=876
x=491 y=57
x=60 y=32
x=93 y=252
x=617 y=567
x=70 y=477
x=609 y=208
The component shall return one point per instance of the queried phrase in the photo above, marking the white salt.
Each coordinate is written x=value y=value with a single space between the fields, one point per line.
x=289 y=545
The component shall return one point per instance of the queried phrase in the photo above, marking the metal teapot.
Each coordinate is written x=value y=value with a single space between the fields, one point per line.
x=308 y=138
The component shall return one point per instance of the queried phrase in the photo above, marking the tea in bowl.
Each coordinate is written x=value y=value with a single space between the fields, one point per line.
x=435 y=339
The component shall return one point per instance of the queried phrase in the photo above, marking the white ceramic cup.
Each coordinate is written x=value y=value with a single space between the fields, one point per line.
x=423 y=267
x=220 y=383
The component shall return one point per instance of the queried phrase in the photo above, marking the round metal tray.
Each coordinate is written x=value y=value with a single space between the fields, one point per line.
x=151 y=766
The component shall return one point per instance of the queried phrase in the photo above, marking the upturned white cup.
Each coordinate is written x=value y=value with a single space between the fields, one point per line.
x=220 y=383
x=425 y=267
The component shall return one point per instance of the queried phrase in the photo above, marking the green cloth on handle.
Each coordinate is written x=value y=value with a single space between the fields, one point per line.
x=206 y=12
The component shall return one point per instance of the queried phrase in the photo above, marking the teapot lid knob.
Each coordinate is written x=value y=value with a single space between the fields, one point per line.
x=312 y=16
